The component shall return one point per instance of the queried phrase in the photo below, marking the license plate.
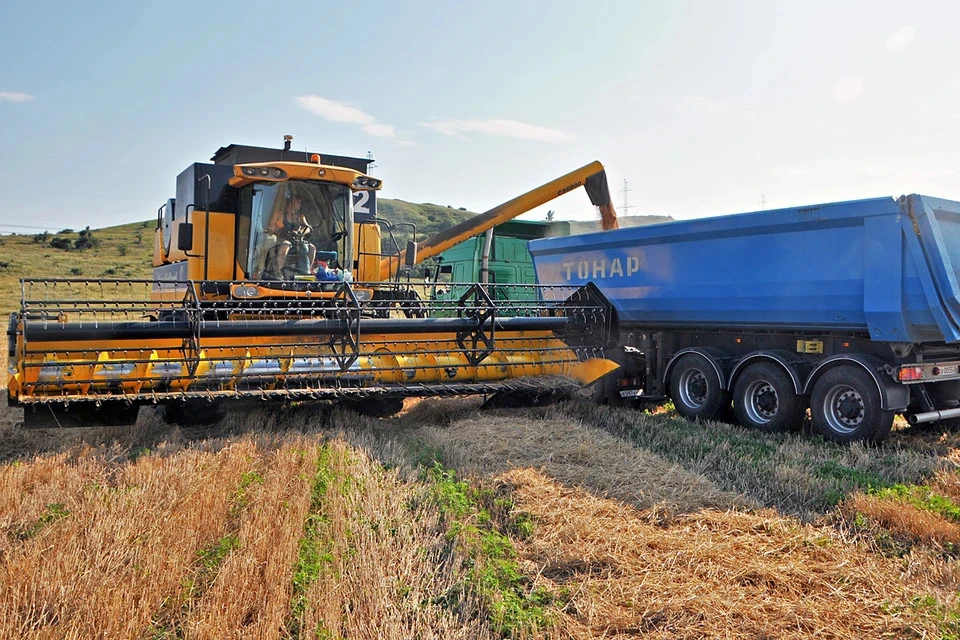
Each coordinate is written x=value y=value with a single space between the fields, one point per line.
x=631 y=393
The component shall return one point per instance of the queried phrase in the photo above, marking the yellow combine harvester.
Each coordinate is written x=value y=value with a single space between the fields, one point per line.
x=267 y=286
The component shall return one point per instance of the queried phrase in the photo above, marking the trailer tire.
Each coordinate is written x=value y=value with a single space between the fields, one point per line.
x=764 y=398
x=845 y=406
x=695 y=389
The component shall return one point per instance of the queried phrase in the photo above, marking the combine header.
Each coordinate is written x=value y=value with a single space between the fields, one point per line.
x=261 y=297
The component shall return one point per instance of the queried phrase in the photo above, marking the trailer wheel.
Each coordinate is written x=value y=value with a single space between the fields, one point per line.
x=764 y=399
x=845 y=406
x=695 y=389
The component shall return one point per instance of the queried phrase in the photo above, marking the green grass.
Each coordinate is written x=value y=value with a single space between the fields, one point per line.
x=477 y=522
x=314 y=555
x=921 y=497
x=51 y=514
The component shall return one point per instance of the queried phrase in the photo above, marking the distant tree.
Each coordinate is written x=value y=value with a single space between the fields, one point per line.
x=41 y=238
x=122 y=249
x=463 y=208
x=139 y=239
x=67 y=230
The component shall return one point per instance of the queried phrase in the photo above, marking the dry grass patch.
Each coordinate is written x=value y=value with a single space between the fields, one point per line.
x=122 y=544
x=250 y=597
x=574 y=455
x=708 y=575
x=905 y=522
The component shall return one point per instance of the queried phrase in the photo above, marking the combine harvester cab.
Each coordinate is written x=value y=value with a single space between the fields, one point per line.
x=220 y=323
x=851 y=309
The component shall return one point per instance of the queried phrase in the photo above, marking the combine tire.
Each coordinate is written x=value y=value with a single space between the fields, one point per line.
x=845 y=407
x=695 y=389
x=192 y=413
x=377 y=407
x=764 y=399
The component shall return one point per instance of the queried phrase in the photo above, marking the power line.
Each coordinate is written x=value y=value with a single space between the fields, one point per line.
x=625 y=206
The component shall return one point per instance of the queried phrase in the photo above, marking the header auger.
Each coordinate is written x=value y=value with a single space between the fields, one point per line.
x=258 y=294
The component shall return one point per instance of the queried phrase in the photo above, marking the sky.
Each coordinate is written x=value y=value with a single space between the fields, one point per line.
x=701 y=108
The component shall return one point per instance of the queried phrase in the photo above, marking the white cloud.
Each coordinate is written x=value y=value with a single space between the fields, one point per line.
x=333 y=110
x=342 y=112
x=505 y=128
x=15 y=96
x=789 y=170
x=900 y=39
x=847 y=89
x=380 y=130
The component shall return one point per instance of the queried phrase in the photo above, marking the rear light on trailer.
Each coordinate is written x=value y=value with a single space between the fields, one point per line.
x=911 y=372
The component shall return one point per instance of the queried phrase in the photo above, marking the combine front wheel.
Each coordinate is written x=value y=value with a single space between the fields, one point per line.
x=190 y=413
x=377 y=407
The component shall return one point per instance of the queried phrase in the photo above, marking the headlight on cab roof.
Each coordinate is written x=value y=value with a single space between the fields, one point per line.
x=366 y=182
x=269 y=173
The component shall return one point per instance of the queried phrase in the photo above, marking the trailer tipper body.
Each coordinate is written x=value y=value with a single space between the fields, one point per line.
x=851 y=309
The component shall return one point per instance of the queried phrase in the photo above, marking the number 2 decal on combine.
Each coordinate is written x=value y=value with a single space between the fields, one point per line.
x=361 y=200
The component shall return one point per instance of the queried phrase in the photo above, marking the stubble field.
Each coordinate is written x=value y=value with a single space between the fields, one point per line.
x=570 y=521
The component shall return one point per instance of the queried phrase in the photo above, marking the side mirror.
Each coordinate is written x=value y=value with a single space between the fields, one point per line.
x=411 y=254
x=185 y=236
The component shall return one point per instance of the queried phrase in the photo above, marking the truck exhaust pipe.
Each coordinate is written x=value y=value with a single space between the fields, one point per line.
x=933 y=416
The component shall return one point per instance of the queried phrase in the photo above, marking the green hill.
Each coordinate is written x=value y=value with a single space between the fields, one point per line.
x=428 y=218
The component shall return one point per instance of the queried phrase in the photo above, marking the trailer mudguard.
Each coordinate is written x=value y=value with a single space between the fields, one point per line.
x=893 y=395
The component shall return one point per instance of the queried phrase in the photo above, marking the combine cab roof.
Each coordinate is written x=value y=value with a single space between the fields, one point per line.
x=242 y=154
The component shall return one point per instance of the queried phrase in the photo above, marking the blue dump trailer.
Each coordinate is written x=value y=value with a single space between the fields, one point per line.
x=850 y=309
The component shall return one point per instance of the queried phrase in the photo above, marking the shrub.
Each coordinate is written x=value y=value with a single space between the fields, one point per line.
x=41 y=238
x=67 y=230
x=76 y=271
x=86 y=240
x=122 y=249
x=63 y=244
